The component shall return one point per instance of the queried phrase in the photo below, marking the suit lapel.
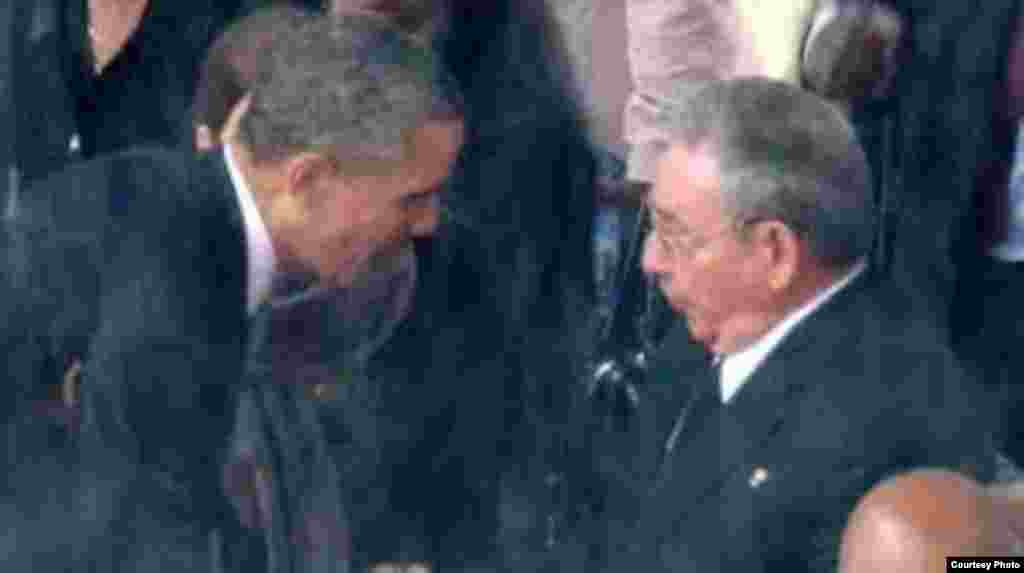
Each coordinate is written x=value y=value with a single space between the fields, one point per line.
x=676 y=374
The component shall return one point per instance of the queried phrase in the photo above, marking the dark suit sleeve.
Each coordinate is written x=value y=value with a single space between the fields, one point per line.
x=952 y=423
x=164 y=358
x=113 y=518
x=135 y=271
x=32 y=287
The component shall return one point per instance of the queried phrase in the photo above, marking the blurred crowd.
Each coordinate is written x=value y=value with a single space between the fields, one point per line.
x=353 y=285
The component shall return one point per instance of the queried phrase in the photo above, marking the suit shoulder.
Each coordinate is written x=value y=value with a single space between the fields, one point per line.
x=98 y=185
x=157 y=158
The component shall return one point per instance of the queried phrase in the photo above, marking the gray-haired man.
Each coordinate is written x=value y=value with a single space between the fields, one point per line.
x=762 y=215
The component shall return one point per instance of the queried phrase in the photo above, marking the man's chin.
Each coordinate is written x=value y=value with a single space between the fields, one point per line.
x=358 y=273
x=369 y=307
x=701 y=334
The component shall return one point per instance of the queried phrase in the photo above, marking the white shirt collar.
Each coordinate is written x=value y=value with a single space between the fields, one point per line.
x=738 y=367
x=260 y=250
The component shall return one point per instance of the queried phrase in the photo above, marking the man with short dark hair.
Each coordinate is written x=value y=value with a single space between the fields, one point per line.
x=762 y=222
x=152 y=269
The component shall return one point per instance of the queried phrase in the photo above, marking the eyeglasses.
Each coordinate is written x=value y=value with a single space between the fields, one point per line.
x=683 y=244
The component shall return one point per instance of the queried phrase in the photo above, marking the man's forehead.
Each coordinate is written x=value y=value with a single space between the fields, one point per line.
x=430 y=151
x=686 y=177
x=433 y=150
x=436 y=144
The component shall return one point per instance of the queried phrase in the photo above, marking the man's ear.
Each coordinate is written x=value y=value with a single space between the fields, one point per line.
x=305 y=175
x=779 y=249
x=299 y=183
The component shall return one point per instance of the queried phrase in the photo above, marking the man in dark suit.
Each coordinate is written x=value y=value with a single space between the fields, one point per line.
x=822 y=382
x=452 y=383
x=145 y=267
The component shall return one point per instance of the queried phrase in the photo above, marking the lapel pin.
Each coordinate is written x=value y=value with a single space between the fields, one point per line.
x=758 y=477
x=319 y=391
x=69 y=389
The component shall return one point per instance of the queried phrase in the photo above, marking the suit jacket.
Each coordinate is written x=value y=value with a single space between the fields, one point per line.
x=110 y=518
x=860 y=390
x=133 y=265
x=676 y=47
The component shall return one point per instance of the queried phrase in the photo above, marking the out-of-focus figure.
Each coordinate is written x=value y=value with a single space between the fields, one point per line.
x=913 y=522
x=677 y=46
x=97 y=76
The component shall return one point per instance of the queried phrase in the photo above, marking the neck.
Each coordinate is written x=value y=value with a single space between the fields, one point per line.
x=809 y=284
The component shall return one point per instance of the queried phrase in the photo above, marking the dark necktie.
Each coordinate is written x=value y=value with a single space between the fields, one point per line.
x=704 y=401
x=311 y=331
x=279 y=475
x=305 y=338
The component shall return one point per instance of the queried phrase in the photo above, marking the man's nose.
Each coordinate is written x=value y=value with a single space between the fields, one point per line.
x=426 y=220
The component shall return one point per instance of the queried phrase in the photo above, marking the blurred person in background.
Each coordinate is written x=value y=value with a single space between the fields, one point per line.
x=915 y=521
x=993 y=336
x=490 y=358
x=90 y=77
x=940 y=142
x=677 y=47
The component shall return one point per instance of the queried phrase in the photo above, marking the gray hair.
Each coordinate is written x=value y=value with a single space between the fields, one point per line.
x=784 y=154
x=352 y=84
